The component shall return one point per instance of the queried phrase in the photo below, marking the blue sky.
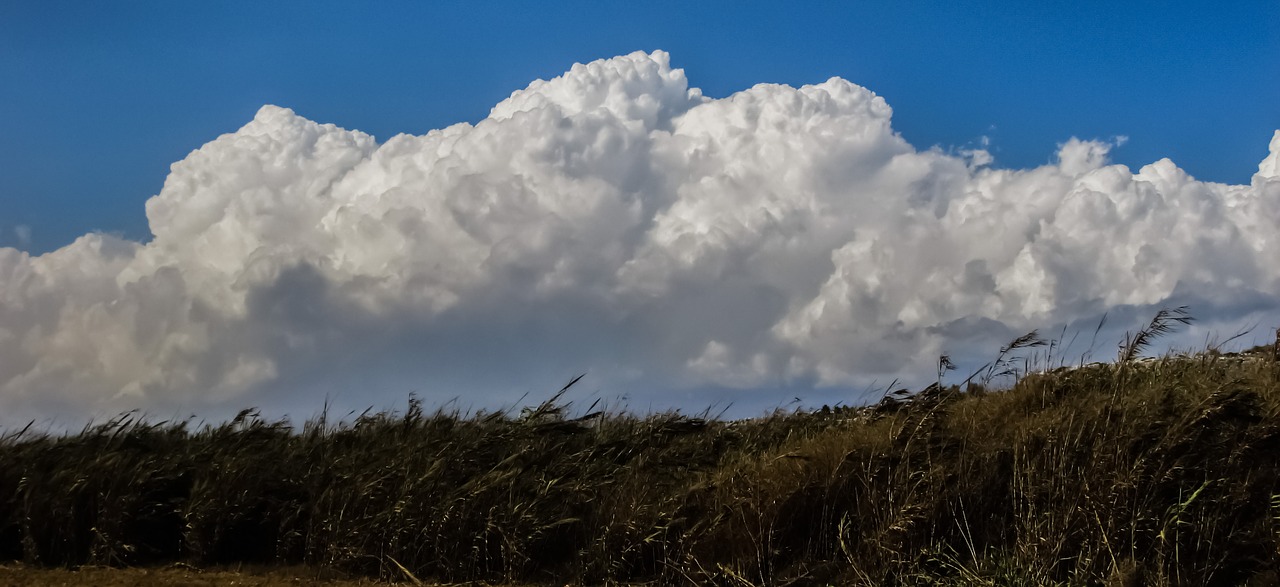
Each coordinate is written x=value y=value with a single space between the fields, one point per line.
x=100 y=98
x=749 y=244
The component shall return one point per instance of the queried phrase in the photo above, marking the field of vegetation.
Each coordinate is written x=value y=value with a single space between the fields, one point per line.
x=1135 y=472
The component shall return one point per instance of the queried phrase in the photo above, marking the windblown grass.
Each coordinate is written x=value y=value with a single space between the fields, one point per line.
x=1140 y=472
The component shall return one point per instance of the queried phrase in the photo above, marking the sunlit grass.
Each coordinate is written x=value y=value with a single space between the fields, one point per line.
x=1142 y=471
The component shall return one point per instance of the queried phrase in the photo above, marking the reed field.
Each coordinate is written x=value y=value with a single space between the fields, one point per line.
x=1138 y=471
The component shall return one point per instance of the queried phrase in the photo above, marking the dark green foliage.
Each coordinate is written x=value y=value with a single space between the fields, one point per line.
x=1156 y=471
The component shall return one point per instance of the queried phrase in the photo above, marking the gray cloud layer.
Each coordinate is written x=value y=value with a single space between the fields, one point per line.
x=611 y=219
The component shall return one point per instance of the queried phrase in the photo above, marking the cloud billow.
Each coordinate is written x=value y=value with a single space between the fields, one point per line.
x=617 y=220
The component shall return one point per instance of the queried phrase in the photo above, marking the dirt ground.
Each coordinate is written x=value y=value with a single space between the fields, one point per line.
x=175 y=576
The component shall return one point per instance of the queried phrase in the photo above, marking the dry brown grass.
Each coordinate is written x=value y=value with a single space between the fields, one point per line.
x=1140 y=472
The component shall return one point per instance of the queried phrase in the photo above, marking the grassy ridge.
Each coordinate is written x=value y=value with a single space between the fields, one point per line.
x=1139 y=472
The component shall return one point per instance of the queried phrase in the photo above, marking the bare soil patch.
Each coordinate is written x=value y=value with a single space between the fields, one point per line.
x=177 y=576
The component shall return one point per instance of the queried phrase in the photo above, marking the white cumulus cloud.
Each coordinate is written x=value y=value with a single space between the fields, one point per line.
x=612 y=219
